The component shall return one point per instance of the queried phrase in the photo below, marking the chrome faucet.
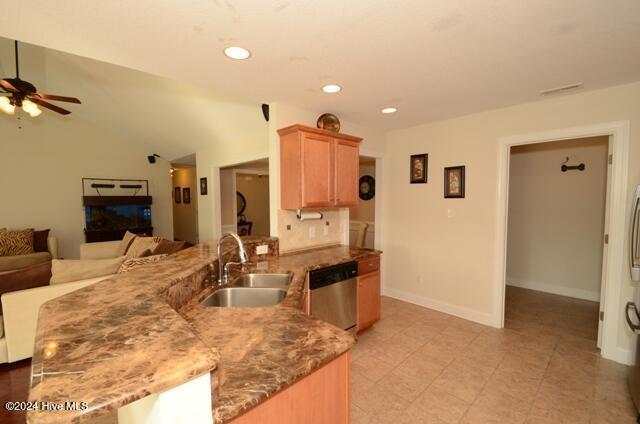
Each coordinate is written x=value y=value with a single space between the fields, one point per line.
x=223 y=270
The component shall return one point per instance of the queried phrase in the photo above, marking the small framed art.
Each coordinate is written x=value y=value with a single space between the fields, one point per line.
x=176 y=194
x=454 y=182
x=186 y=195
x=203 y=186
x=418 y=168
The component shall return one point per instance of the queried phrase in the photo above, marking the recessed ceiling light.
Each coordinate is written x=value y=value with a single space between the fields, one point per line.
x=237 y=53
x=331 y=88
x=389 y=110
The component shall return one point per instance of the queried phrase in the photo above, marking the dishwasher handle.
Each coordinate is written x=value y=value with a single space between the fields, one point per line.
x=630 y=306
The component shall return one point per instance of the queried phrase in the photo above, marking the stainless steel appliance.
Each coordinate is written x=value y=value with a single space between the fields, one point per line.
x=634 y=248
x=333 y=294
x=631 y=311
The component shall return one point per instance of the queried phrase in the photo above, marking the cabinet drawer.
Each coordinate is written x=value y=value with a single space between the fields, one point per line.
x=368 y=265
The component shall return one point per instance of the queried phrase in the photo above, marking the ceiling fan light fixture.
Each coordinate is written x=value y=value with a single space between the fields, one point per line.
x=237 y=53
x=6 y=106
x=31 y=108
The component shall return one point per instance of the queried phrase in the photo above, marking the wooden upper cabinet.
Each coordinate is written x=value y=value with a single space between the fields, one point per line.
x=318 y=168
x=347 y=172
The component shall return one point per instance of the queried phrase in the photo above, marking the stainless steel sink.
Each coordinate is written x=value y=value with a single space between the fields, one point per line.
x=280 y=281
x=245 y=297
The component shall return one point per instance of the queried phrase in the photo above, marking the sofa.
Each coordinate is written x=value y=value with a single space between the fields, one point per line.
x=10 y=263
x=19 y=317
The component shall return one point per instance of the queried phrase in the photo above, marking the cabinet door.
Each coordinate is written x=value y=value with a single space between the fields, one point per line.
x=317 y=170
x=347 y=170
x=368 y=299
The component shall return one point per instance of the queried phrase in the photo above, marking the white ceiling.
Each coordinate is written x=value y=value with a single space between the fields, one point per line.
x=431 y=59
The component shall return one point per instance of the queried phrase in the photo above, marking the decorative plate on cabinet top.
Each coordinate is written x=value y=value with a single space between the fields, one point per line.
x=329 y=121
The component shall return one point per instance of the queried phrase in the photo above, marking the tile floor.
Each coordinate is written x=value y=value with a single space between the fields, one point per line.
x=421 y=366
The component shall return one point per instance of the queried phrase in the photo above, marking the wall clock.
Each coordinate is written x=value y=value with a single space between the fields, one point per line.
x=367 y=187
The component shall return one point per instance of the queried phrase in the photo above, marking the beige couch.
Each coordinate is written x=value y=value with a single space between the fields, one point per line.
x=20 y=308
x=10 y=263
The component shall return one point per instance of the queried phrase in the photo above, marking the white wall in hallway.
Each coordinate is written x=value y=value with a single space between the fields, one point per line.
x=556 y=219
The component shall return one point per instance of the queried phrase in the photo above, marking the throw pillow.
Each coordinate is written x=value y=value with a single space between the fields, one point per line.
x=66 y=270
x=134 y=263
x=25 y=278
x=169 y=247
x=40 y=240
x=125 y=243
x=141 y=244
x=17 y=242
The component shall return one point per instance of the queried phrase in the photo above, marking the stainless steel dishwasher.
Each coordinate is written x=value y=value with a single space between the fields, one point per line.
x=333 y=292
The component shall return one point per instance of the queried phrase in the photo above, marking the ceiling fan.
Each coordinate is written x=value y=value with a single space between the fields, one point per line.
x=16 y=92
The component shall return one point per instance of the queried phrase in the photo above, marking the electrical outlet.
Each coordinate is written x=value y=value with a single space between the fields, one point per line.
x=263 y=249
x=312 y=232
x=263 y=265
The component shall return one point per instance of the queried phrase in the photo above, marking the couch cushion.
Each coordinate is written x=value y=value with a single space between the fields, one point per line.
x=134 y=263
x=16 y=242
x=67 y=270
x=26 y=278
x=125 y=243
x=4 y=353
x=12 y=263
x=40 y=240
x=142 y=244
x=169 y=247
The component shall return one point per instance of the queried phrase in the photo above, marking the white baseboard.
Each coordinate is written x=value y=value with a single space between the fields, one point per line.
x=622 y=356
x=447 y=308
x=554 y=289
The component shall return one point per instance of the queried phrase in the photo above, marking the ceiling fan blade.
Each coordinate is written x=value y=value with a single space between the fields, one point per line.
x=58 y=98
x=54 y=108
x=8 y=86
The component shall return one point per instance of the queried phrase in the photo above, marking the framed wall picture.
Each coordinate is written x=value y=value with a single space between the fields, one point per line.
x=454 y=182
x=418 y=168
x=176 y=194
x=186 y=195
x=203 y=186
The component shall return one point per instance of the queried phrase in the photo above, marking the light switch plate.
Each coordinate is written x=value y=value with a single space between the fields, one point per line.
x=263 y=249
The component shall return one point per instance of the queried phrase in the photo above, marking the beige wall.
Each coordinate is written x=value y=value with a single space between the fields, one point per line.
x=556 y=219
x=283 y=115
x=227 y=199
x=41 y=170
x=441 y=252
x=242 y=137
x=255 y=189
x=365 y=211
x=185 y=215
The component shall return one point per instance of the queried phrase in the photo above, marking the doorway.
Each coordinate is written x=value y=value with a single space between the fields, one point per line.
x=244 y=198
x=185 y=199
x=362 y=218
x=556 y=236
x=611 y=302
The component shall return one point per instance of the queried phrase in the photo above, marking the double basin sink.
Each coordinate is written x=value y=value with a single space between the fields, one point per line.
x=251 y=291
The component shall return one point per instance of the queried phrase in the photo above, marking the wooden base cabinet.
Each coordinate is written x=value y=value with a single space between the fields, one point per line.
x=368 y=293
x=322 y=397
x=318 y=168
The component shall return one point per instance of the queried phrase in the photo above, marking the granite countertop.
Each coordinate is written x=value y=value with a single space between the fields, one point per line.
x=144 y=332
x=276 y=345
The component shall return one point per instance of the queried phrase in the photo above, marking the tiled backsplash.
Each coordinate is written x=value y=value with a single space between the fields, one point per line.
x=295 y=234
